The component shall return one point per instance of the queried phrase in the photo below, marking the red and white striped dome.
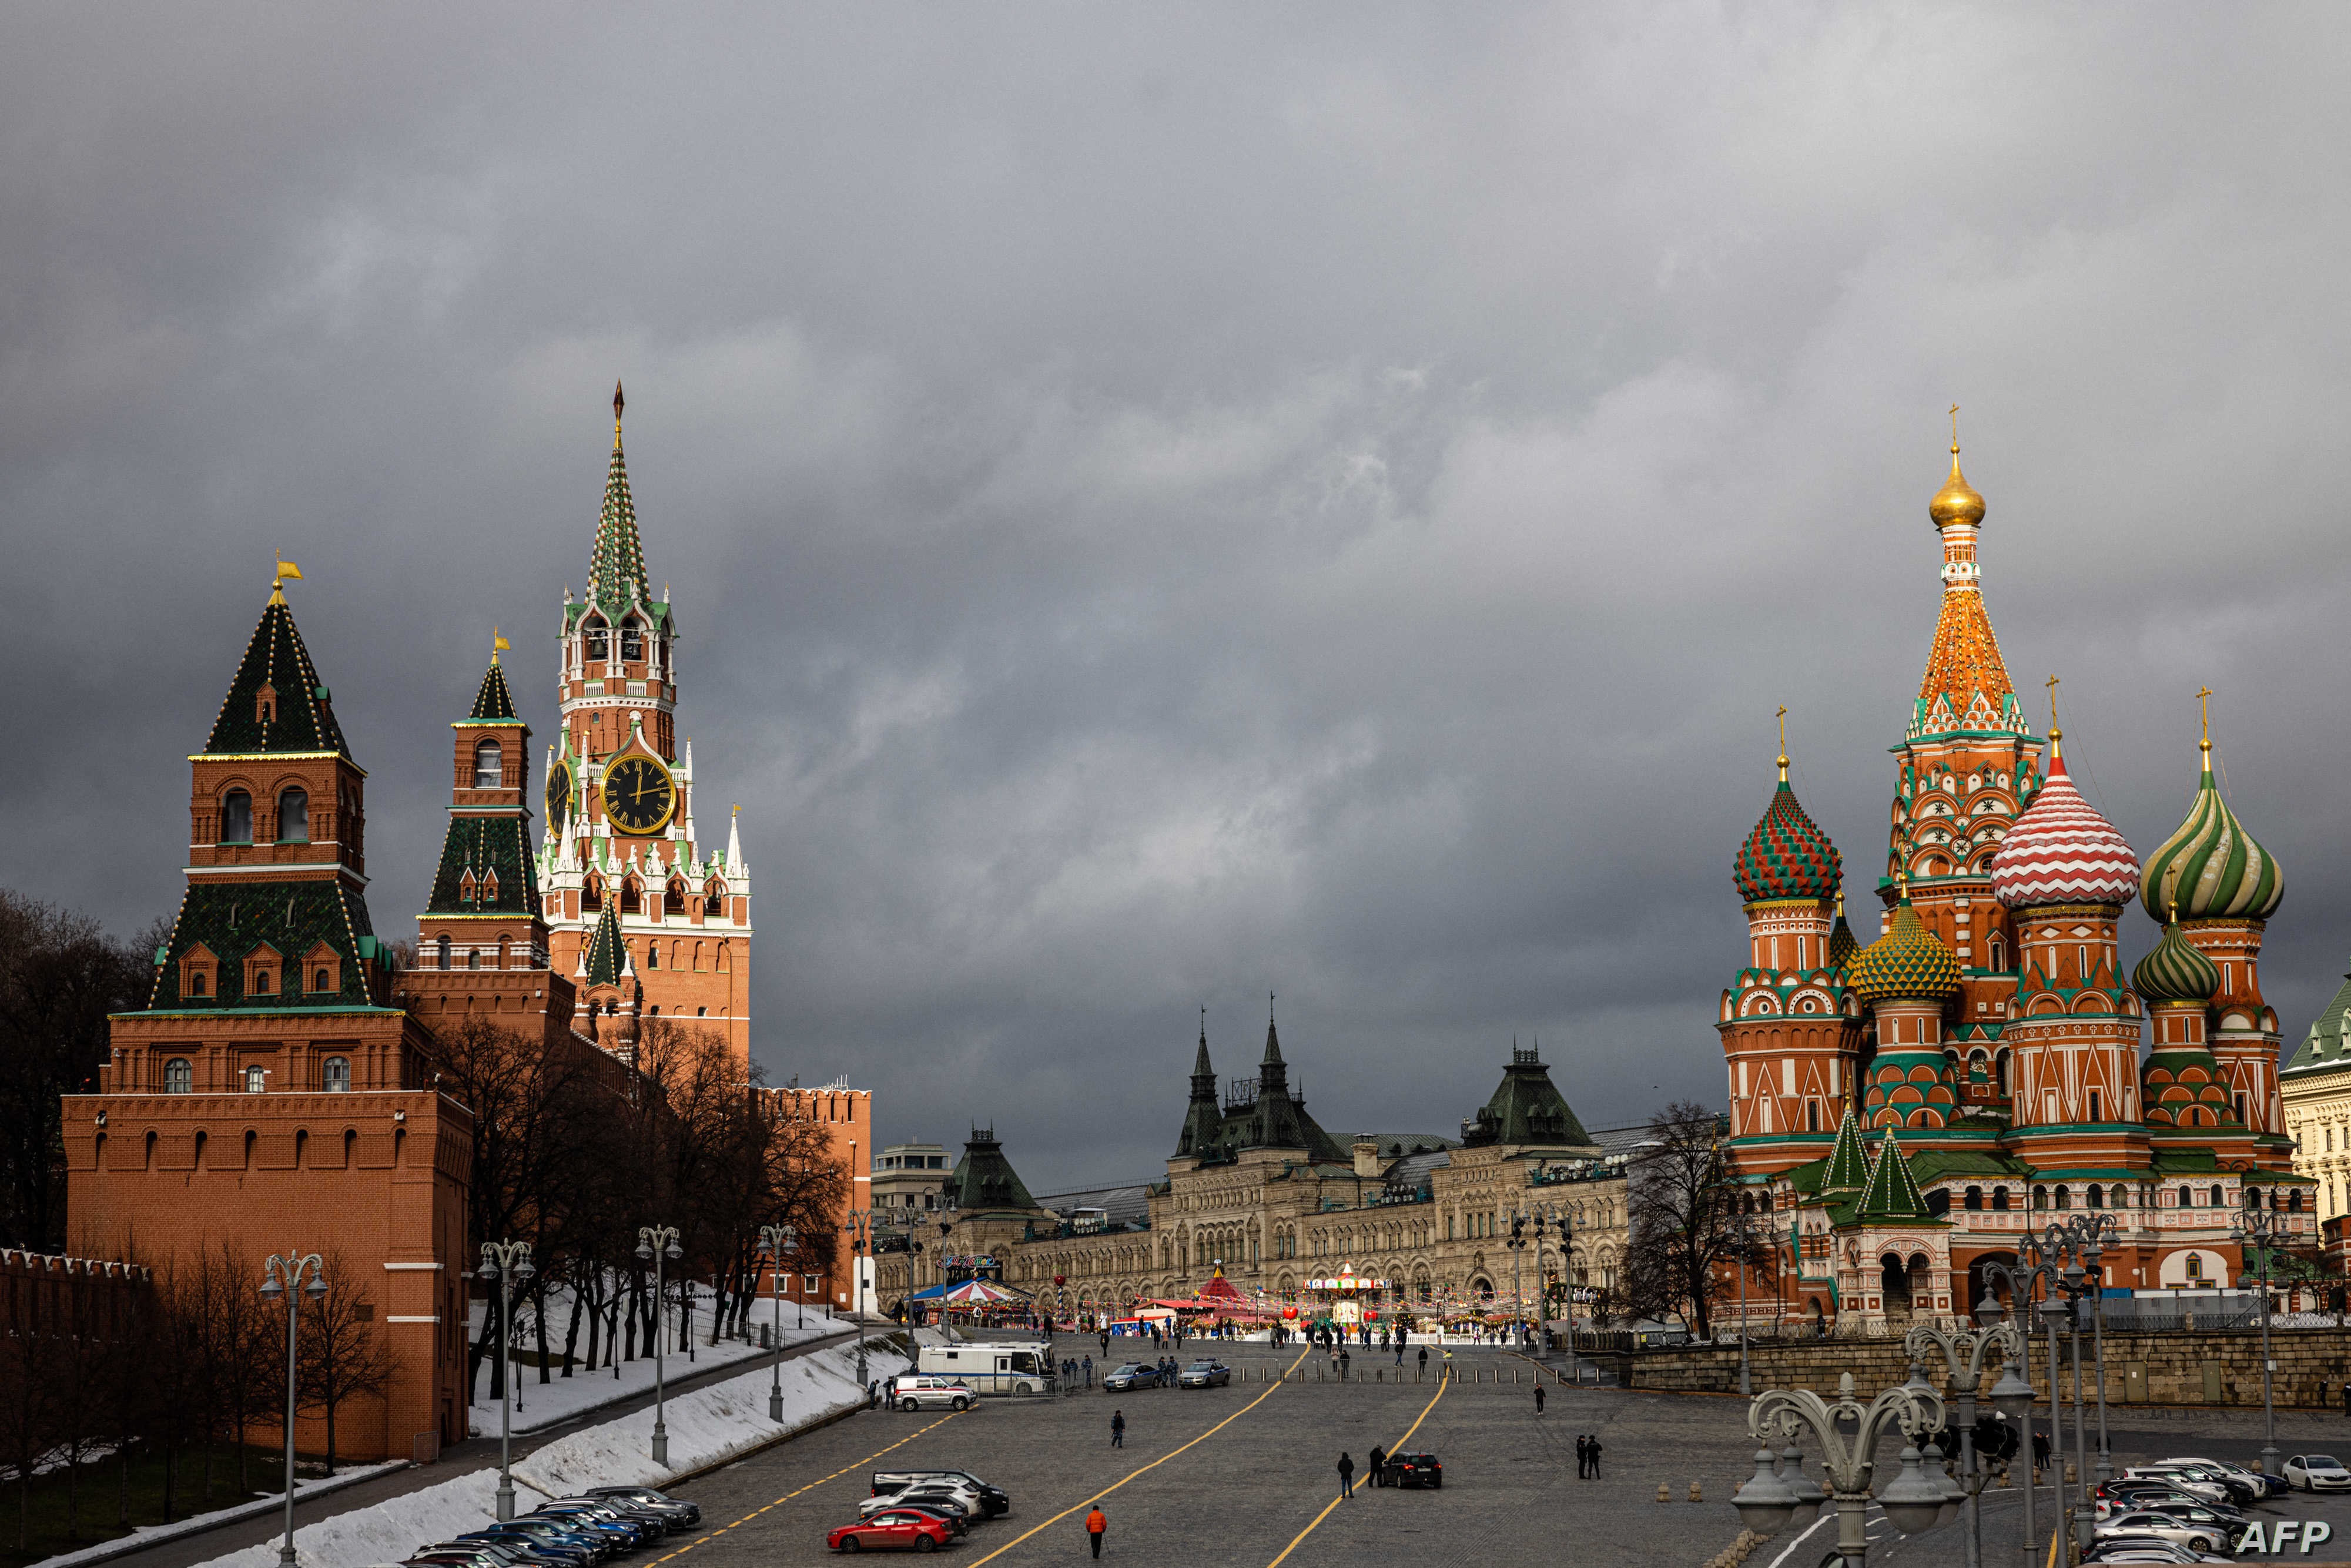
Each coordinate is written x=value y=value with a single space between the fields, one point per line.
x=2062 y=852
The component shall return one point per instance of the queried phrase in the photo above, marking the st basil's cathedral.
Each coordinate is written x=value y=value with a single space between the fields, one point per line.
x=1903 y=1113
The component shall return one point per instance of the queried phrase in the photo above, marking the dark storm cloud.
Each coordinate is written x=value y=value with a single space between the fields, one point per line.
x=1167 y=506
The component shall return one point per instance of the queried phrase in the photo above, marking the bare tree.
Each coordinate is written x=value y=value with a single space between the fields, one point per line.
x=1677 y=1209
x=343 y=1353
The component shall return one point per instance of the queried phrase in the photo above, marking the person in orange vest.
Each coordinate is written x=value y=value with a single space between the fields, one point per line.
x=1095 y=1525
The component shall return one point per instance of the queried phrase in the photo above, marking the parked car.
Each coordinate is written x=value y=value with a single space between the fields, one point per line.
x=581 y=1556
x=1205 y=1374
x=954 y=1507
x=927 y=1391
x=2162 y=1499
x=556 y=1532
x=661 y=1521
x=2145 y=1521
x=993 y=1501
x=2240 y=1492
x=1412 y=1470
x=2317 y=1472
x=2188 y=1481
x=625 y=1535
x=513 y=1554
x=1134 y=1374
x=2147 y=1548
x=892 y=1530
x=2264 y=1483
x=457 y=1557
x=645 y=1497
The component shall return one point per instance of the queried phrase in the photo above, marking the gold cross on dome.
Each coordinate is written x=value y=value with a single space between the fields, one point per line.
x=1955 y=430
x=2204 y=702
x=2052 y=684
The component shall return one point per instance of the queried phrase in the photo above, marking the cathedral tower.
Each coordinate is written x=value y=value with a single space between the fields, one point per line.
x=622 y=832
x=1787 y=1025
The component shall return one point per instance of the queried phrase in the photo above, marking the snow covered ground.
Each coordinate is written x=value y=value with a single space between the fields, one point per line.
x=539 y=1406
x=706 y=1427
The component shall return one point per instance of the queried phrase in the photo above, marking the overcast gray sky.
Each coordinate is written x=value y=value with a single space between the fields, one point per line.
x=1169 y=504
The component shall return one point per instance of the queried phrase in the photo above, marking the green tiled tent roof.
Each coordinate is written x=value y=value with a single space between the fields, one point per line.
x=300 y=717
x=608 y=957
x=1841 y=942
x=232 y=919
x=1848 y=1166
x=2328 y=1047
x=494 y=700
x=616 y=572
x=1893 y=1192
x=1527 y=1108
x=486 y=844
x=984 y=1179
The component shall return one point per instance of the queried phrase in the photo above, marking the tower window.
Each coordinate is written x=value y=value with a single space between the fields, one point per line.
x=335 y=1075
x=179 y=1078
x=294 y=816
x=319 y=982
x=256 y=1080
x=473 y=957
x=1974 y=1198
x=487 y=772
x=196 y=983
x=597 y=638
x=632 y=901
x=261 y=982
x=633 y=640
x=237 y=818
x=2095 y=1116
x=442 y=953
x=2000 y=1200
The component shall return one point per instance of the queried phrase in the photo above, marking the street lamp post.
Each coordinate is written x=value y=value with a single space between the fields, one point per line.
x=1963 y=1357
x=778 y=1243
x=1517 y=1242
x=2020 y=1279
x=2262 y=1229
x=506 y=1262
x=1543 y=1211
x=1848 y=1431
x=657 y=1244
x=860 y=1227
x=1739 y=1230
x=2093 y=1234
x=285 y=1278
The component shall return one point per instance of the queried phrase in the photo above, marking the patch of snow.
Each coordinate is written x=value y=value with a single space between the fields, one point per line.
x=539 y=1406
x=706 y=1427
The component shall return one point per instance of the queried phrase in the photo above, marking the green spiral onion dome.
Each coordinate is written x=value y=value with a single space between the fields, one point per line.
x=1786 y=857
x=2175 y=972
x=1909 y=961
x=2210 y=868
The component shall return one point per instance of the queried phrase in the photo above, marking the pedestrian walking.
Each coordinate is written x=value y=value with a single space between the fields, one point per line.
x=1538 y=1398
x=1346 y=1477
x=1424 y=1360
x=1582 y=1456
x=1118 y=1429
x=1596 y=1456
x=1105 y=1339
x=1090 y=1372
x=1343 y=1359
x=1095 y=1525
x=1399 y=1347
x=1378 y=1472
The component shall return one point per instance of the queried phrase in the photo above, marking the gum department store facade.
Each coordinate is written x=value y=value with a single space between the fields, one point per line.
x=1257 y=1187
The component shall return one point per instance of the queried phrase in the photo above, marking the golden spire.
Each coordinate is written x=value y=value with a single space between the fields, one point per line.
x=616 y=417
x=1783 y=743
x=1957 y=501
x=2056 y=736
x=2204 y=701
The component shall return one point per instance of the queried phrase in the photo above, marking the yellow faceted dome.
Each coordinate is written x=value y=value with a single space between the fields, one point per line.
x=1957 y=501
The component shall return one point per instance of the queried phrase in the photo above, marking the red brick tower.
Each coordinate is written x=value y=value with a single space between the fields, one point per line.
x=1788 y=1022
x=621 y=827
x=272 y=1094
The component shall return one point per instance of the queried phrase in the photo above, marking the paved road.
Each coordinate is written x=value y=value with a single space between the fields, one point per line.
x=1244 y=1475
x=472 y=1454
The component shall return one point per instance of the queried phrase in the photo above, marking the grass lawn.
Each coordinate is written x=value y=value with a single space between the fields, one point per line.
x=40 y=1513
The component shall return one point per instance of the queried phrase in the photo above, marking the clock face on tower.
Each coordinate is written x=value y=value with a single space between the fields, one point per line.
x=559 y=792
x=639 y=795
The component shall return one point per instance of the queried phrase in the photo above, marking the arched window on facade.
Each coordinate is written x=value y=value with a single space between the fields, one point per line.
x=237 y=818
x=597 y=638
x=489 y=772
x=2000 y=1071
x=294 y=816
x=441 y=952
x=1975 y=1198
x=196 y=983
x=2216 y=1198
x=319 y=982
x=2039 y=1198
x=2097 y=1198
x=256 y=1080
x=632 y=896
x=592 y=893
x=674 y=897
x=179 y=1078
x=633 y=640
x=473 y=957
x=335 y=1075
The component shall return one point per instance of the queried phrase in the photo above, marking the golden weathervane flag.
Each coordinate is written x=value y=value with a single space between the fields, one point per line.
x=286 y=569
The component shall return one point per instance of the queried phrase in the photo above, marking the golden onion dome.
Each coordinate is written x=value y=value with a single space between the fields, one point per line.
x=1957 y=501
x=1909 y=962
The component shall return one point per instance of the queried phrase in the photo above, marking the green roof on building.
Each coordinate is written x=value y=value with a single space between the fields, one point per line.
x=494 y=701
x=276 y=703
x=1848 y=1166
x=983 y=1180
x=2327 y=1046
x=608 y=956
x=486 y=868
x=1892 y=1193
x=232 y=920
x=1527 y=1109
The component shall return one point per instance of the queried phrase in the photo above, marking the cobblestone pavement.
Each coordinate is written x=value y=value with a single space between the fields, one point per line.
x=1241 y=1475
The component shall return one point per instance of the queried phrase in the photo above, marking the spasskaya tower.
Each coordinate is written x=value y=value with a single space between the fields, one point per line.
x=622 y=838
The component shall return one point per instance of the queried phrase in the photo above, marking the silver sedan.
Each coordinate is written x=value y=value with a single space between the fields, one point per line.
x=1205 y=1374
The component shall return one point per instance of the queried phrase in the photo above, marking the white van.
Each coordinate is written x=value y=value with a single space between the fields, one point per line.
x=1024 y=1366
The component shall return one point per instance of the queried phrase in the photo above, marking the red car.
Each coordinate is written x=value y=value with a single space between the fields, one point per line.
x=901 y=1529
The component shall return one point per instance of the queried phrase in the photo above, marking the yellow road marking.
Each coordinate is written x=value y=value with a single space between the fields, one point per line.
x=1152 y=1466
x=787 y=1497
x=1335 y=1502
